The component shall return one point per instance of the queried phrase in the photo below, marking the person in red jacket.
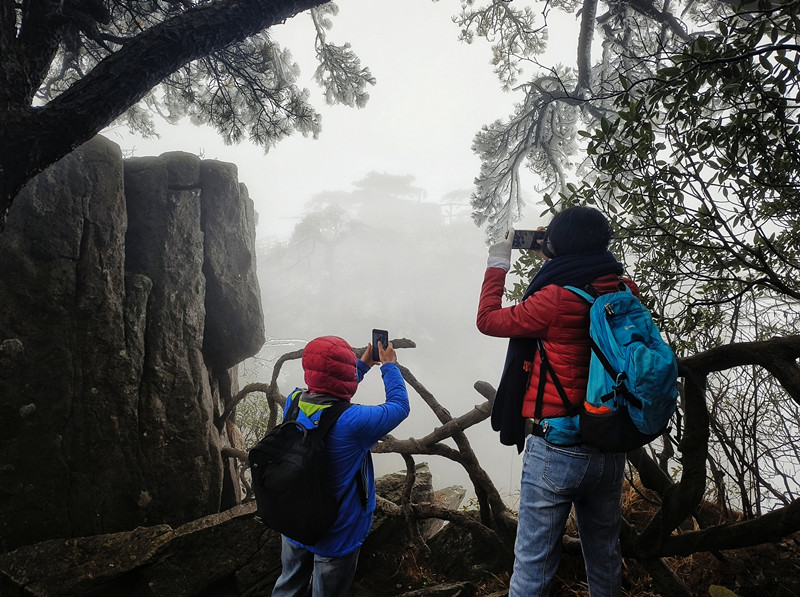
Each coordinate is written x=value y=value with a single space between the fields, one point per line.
x=556 y=476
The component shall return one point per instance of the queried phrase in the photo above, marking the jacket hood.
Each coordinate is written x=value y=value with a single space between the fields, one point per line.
x=329 y=364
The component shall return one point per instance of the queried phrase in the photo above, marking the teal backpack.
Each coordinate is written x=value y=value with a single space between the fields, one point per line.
x=632 y=391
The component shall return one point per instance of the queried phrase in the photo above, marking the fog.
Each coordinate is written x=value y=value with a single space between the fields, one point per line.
x=375 y=258
x=386 y=237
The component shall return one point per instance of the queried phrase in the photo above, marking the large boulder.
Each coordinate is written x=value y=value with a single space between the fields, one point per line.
x=224 y=554
x=112 y=374
x=221 y=554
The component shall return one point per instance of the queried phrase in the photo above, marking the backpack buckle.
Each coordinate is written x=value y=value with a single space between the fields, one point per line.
x=535 y=427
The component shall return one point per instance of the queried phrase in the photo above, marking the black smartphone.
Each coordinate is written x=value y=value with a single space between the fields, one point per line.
x=381 y=336
x=527 y=239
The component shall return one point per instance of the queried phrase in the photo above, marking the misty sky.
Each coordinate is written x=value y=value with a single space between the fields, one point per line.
x=433 y=93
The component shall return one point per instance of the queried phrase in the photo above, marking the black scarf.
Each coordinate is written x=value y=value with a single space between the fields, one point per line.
x=569 y=270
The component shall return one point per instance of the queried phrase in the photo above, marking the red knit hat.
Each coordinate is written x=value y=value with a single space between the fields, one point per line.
x=329 y=364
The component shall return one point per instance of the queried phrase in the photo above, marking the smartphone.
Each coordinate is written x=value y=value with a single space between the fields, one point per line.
x=527 y=239
x=381 y=336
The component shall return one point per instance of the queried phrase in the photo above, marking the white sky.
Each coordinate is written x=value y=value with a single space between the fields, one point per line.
x=433 y=93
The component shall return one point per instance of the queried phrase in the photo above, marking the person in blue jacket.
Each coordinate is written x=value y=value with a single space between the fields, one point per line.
x=332 y=372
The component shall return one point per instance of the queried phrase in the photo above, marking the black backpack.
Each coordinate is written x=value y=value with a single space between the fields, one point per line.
x=291 y=477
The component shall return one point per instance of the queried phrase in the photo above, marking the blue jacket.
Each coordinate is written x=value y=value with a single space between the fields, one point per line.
x=349 y=442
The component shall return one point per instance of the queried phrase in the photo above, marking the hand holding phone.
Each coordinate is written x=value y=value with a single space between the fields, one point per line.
x=382 y=337
x=526 y=240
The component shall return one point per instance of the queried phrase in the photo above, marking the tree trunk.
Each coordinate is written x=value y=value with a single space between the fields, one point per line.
x=35 y=137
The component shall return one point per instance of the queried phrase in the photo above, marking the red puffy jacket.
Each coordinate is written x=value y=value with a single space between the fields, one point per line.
x=557 y=316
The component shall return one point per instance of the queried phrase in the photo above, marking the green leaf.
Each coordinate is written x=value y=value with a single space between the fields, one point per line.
x=718 y=591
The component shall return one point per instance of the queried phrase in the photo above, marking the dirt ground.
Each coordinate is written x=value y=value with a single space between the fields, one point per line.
x=767 y=570
x=457 y=567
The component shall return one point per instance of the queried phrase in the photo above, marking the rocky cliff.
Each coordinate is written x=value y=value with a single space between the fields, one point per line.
x=231 y=554
x=127 y=295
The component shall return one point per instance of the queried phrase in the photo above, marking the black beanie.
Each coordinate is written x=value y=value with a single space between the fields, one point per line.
x=578 y=230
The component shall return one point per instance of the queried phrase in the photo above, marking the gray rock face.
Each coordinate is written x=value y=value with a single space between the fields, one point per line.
x=221 y=554
x=392 y=487
x=229 y=553
x=127 y=291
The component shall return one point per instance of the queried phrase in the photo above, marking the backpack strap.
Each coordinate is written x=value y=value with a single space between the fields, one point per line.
x=546 y=368
x=329 y=416
x=589 y=293
x=361 y=482
x=616 y=376
x=587 y=296
x=294 y=406
x=326 y=419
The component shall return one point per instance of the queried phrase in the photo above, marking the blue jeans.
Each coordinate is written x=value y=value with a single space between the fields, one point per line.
x=554 y=479
x=304 y=574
